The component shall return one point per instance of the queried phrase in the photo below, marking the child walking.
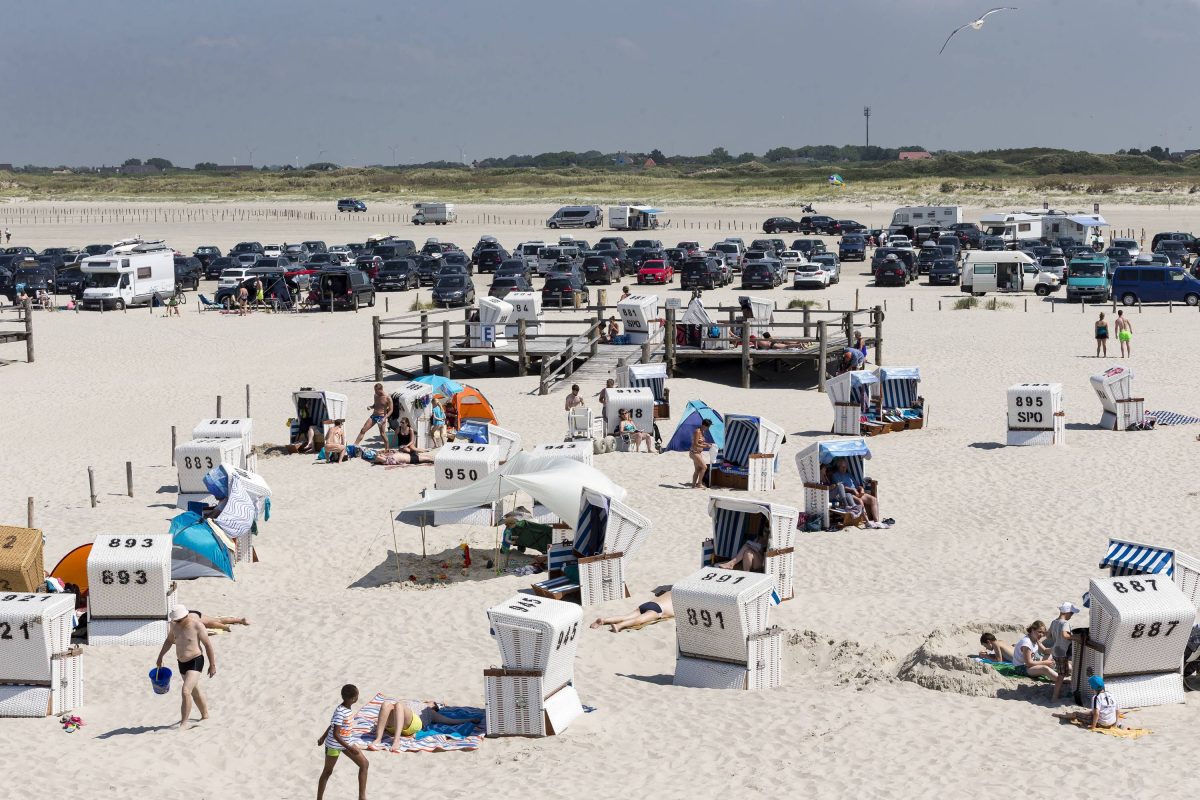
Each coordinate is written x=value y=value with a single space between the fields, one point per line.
x=334 y=742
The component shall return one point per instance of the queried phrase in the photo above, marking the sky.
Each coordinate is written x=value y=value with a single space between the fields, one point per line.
x=375 y=82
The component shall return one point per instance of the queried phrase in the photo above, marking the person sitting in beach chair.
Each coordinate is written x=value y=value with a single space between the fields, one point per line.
x=841 y=475
x=647 y=613
x=44 y=300
x=752 y=556
x=631 y=434
x=399 y=719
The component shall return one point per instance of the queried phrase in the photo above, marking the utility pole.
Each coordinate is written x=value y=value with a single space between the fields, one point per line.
x=867 y=117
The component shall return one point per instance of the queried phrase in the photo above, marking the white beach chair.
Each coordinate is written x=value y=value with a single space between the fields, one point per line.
x=130 y=592
x=749 y=458
x=900 y=397
x=41 y=674
x=735 y=520
x=809 y=462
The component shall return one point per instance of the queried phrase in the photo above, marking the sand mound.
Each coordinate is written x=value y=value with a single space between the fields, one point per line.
x=943 y=662
x=840 y=662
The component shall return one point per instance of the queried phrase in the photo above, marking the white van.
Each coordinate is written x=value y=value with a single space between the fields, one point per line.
x=433 y=213
x=986 y=271
x=576 y=217
x=130 y=274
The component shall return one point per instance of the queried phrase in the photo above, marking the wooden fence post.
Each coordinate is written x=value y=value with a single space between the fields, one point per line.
x=29 y=512
x=446 y=348
x=28 y=332
x=378 y=352
x=218 y=406
x=247 y=401
x=878 y=336
x=129 y=477
x=172 y=445
x=92 y=485
x=823 y=354
x=522 y=357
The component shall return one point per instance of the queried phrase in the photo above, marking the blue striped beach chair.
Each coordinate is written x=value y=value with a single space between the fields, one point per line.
x=732 y=521
x=899 y=396
x=810 y=461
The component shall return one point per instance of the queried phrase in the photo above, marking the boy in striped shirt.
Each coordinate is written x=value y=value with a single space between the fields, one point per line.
x=334 y=742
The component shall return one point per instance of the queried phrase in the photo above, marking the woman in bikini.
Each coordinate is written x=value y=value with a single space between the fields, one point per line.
x=335 y=442
x=1102 y=336
x=650 y=611
x=699 y=444
x=404 y=438
x=752 y=556
x=395 y=714
x=636 y=437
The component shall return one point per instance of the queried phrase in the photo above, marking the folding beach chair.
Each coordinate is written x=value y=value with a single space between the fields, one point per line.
x=208 y=305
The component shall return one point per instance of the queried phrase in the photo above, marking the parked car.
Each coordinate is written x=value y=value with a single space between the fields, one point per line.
x=1190 y=243
x=700 y=273
x=349 y=204
x=944 y=272
x=808 y=247
x=503 y=284
x=207 y=253
x=760 y=275
x=967 y=232
x=428 y=267
x=1119 y=256
x=315 y=246
x=791 y=259
x=832 y=263
x=816 y=223
x=96 y=249
x=1174 y=249
x=891 y=272
x=600 y=269
x=32 y=277
x=296 y=253
x=781 y=225
x=811 y=274
x=320 y=261
x=227 y=295
x=561 y=289
x=925 y=258
x=852 y=247
x=1055 y=263
x=397 y=274
x=515 y=266
x=732 y=253
x=454 y=290
x=689 y=246
x=187 y=272
x=245 y=247
x=676 y=256
x=655 y=271
x=991 y=243
x=344 y=288
x=649 y=244
x=845 y=226
x=369 y=264
x=490 y=258
x=214 y=268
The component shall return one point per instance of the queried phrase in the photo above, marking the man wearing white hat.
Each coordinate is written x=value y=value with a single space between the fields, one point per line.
x=191 y=641
x=1060 y=634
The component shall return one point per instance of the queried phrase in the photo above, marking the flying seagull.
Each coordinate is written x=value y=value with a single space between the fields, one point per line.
x=976 y=25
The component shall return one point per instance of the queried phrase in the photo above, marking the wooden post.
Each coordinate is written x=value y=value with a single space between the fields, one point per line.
x=218 y=406
x=823 y=354
x=569 y=354
x=247 y=401
x=446 y=348
x=646 y=352
x=542 y=388
x=92 y=485
x=522 y=358
x=669 y=343
x=856 y=299
x=878 y=336
x=1026 y=305
x=807 y=323
x=378 y=352
x=424 y=327
x=387 y=305
x=745 y=356
x=29 y=512
x=129 y=477
x=29 y=332
x=172 y=445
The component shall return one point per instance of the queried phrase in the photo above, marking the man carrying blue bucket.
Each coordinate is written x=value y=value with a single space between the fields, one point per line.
x=191 y=641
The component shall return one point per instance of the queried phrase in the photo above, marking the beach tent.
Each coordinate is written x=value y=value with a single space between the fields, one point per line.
x=72 y=568
x=694 y=414
x=441 y=385
x=197 y=551
x=470 y=404
x=555 y=482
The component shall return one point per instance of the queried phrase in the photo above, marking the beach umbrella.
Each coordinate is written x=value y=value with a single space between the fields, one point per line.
x=441 y=385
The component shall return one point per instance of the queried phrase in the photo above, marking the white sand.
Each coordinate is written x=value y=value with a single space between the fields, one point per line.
x=985 y=534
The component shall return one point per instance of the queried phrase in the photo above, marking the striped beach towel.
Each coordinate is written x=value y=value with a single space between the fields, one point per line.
x=431 y=739
x=1172 y=418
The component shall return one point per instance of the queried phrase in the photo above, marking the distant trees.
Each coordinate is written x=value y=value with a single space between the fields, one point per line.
x=161 y=163
x=132 y=162
x=323 y=166
x=205 y=165
x=1155 y=152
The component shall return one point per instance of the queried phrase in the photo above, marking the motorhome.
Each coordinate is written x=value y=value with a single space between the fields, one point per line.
x=915 y=216
x=433 y=213
x=1044 y=224
x=633 y=218
x=576 y=217
x=1005 y=271
x=130 y=274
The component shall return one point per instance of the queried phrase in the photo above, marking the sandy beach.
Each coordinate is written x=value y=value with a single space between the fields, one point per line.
x=987 y=537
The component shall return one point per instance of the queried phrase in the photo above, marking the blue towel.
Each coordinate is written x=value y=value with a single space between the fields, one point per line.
x=460 y=731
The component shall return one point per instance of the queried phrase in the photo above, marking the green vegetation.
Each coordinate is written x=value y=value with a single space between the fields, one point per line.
x=417 y=305
x=797 y=303
x=1027 y=175
x=965 y=303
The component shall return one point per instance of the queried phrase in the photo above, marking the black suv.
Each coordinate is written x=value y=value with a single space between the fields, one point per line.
x=490 y=258
x=399 y=273
x=207 y=254
x=600 y=269
x=816 y=223
x=345 y=288
x=967 y=232
x=781 y=225
x=760 y=275
x=701 y=273
x=187 y=272
x=247 y=247
x=516 y=266
x=1190 y=243
x=214 y=268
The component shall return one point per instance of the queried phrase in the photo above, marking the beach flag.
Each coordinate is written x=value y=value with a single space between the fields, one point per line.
x=775 y=598
x=836 y=180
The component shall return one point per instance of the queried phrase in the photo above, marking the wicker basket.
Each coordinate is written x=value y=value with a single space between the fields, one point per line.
x=21 y=567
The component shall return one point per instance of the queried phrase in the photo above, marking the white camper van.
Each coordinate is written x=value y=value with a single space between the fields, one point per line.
x=916 y=216
x=986 y=271
x=130 y=274
x=433 y=213
x=576 y=217
x=1045 y=224
x=633 y=218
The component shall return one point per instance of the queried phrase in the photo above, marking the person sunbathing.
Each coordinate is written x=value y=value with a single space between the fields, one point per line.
x=636 y=437
x=650 y=611
x=218 y=623
x=855 y=489
x=768 y=342
x=398 y=714
x=994 y=649
x=751 y=556
x=398 y=459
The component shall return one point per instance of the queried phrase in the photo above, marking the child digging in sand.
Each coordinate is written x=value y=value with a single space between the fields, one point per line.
x=334 y=742
x=395 y=714
x=1104 y=713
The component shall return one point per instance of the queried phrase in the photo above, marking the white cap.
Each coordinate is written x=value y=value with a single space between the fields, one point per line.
x=178 y=613
x=1068 y=608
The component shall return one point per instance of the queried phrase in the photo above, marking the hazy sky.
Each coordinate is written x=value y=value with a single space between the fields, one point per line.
x=103 y=80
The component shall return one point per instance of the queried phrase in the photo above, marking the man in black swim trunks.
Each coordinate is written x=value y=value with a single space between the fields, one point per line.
x=191 y=641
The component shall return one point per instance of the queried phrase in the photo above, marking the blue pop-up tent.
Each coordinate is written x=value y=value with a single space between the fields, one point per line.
x=440 y=385
x=694 y=413
x=197 y=551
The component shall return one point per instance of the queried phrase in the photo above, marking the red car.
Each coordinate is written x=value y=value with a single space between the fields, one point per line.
x=655 y=271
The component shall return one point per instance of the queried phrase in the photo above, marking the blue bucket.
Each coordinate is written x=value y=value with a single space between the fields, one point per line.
x=160 y=679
